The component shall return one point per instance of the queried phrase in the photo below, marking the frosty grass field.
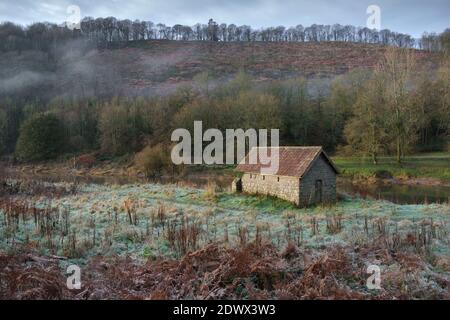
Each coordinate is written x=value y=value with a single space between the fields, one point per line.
x=151 y=220
x=160 y=241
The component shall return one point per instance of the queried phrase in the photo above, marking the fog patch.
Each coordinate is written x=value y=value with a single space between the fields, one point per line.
x=24 y=80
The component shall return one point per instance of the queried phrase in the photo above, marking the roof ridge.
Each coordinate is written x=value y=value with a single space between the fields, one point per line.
x=293 y=160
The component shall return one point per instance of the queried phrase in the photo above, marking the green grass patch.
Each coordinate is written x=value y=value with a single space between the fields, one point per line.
x=433 y=165
x=261 y=202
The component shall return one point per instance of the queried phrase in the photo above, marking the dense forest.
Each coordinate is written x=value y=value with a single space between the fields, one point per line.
x=104 y=31
x=396 y=108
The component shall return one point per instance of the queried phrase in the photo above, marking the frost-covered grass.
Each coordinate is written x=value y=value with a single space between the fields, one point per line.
x=151 y=220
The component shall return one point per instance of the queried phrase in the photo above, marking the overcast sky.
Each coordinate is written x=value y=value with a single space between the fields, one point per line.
x=407 y=16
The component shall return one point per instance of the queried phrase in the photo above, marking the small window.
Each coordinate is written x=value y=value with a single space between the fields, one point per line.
x=278 y=179
x=264 y=177
x=250 y=176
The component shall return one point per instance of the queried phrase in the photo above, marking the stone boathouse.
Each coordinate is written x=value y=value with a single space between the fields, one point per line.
x=305 y=176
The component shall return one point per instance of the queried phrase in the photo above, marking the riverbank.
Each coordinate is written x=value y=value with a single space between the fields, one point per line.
x=426 y=169
x=409 y=191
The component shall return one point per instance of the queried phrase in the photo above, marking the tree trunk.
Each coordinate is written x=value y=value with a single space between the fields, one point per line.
x=399 y=151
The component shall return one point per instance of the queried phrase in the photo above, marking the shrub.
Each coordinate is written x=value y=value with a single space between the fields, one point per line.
x=154 y=161
x=42 y=137
x=383 y=174
x=84 y=161
x=211 y=191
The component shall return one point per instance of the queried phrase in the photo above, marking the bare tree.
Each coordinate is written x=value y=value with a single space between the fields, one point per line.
x=396 y=69
x=213 y=30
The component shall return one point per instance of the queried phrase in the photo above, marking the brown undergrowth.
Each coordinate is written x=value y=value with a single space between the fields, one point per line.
x=251 y=271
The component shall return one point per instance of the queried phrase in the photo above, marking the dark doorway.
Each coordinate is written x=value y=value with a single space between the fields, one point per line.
x=238 y=185
x=318 y=191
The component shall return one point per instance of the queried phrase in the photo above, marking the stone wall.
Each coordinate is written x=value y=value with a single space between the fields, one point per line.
x=320 y=170
x=286 y=188
x=301 y=192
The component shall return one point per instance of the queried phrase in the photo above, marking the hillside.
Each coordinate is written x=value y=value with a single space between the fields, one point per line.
x=159 y=66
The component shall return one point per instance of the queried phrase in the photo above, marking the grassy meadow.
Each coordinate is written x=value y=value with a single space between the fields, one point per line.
x=430 y=165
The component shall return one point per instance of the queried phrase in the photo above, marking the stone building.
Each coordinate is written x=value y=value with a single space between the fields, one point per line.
x=305 y=176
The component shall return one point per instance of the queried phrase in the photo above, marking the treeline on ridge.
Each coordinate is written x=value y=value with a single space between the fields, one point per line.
x=105 y=31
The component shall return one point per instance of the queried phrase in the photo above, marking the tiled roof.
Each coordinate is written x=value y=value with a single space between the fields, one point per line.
x=293 y=161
